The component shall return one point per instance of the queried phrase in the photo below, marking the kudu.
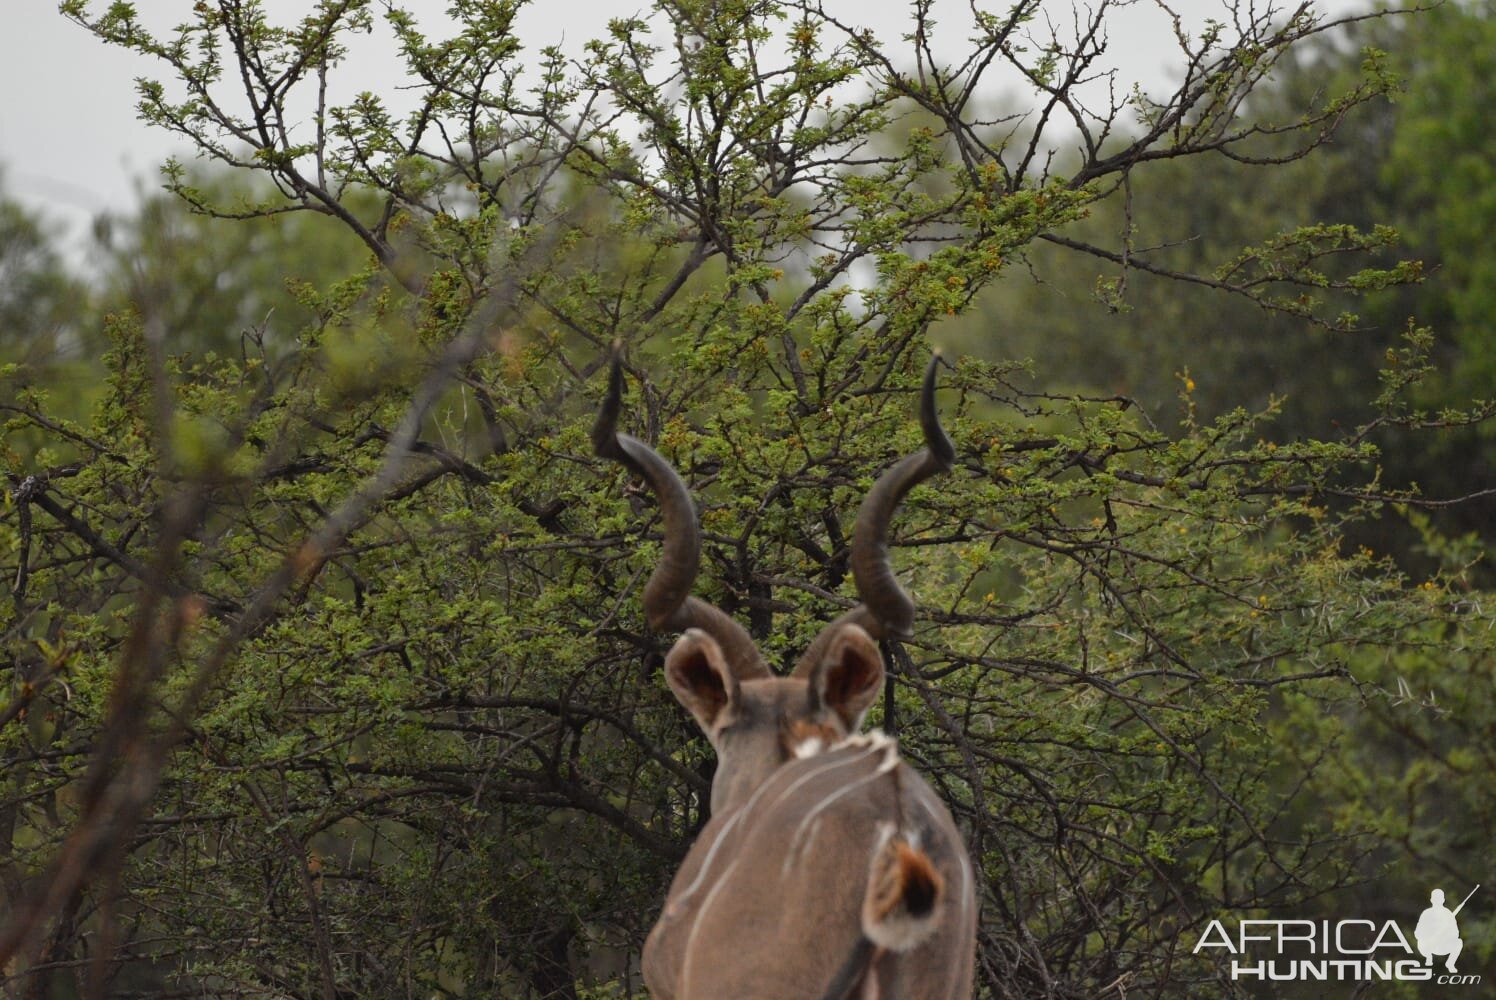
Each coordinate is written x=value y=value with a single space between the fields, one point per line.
x=829 y=868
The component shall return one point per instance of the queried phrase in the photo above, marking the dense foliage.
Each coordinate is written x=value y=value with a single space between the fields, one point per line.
x=325 y=670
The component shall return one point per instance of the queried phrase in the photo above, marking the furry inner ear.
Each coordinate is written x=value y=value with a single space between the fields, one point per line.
x=698 y=675
x=848 y=678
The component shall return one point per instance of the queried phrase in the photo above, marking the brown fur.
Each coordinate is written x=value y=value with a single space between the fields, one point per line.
x=902 y=893
x=796 y=732
x=795 y=862
x=827 y=860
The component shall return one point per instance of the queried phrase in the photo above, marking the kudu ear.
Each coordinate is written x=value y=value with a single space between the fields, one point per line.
x=848 y=677
x=698 y=674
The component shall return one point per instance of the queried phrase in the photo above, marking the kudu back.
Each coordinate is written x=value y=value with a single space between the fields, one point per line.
x=829 y=868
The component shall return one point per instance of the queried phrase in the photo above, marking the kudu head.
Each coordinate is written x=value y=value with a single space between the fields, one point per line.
x=755 y=720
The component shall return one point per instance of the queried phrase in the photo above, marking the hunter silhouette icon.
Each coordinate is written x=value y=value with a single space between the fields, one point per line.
x=1437 y=932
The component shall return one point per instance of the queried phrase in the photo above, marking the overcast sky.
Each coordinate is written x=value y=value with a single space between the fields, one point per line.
x=71 y=145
